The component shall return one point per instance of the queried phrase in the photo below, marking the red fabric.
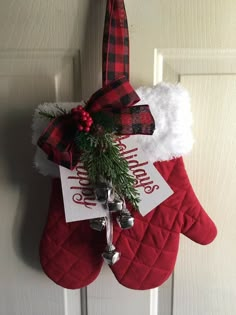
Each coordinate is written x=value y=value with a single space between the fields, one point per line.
x=115 y=42
x=67 y=252
x=57 y=141
x=118 y=93
x=71 y=252
x=133 y=120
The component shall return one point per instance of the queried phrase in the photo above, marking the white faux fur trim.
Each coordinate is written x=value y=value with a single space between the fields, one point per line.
x=170 y=107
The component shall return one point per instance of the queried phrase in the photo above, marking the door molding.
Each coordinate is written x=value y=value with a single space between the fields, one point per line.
x=178 y=62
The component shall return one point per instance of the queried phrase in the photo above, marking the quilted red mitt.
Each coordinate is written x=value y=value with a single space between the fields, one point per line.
x=150 y=248
x=70 y=253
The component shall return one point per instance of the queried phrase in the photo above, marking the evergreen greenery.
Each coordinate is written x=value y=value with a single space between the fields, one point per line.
x=102 y=160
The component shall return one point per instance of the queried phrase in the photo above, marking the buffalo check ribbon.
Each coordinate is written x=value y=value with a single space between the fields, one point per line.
x=115 y=99
x=115 y=42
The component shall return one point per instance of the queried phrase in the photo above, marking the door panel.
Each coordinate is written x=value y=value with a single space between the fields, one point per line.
x=107 y=296
x=204 y=281
x=27 y=79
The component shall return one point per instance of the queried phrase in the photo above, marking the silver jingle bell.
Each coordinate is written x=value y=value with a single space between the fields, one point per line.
x=102 y=191
x=115 y=205
x=125 y=220
x=98 y=224
x=110 y=255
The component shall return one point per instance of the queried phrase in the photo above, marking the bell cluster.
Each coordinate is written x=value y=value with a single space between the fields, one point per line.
x=111 y=201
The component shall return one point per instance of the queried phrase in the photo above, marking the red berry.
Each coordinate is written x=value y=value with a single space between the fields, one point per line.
x=80 y=127
x=87 y=129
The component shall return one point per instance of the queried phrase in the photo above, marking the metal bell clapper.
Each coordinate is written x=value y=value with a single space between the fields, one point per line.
x=110 y=255
x=125 y=220
x=115 y=205
x=98 y=224
x=102 y=191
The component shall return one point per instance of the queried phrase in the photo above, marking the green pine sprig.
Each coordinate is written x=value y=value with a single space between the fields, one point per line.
x=102 y=159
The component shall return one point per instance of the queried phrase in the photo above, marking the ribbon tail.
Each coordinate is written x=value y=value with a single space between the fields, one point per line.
x=133 y=120
x=57 y=141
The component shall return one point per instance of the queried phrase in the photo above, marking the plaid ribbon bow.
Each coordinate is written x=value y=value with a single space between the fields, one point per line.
x=115 y=98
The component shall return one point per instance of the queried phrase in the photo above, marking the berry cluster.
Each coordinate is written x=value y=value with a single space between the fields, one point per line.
x=83 y=119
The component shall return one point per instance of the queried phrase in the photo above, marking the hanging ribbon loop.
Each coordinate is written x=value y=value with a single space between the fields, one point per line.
x=115 y=42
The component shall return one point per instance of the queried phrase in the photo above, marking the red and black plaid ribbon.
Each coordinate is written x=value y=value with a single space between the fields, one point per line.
x=57 y=141
x=115 y=42
x=115 y=98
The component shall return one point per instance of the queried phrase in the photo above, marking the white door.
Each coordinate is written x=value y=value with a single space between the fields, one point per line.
x=51 y=50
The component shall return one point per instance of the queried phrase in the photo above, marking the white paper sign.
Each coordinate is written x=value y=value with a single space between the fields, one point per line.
x=78 y=195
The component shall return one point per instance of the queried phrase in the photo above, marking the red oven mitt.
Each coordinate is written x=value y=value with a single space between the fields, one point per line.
x=70 y=253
